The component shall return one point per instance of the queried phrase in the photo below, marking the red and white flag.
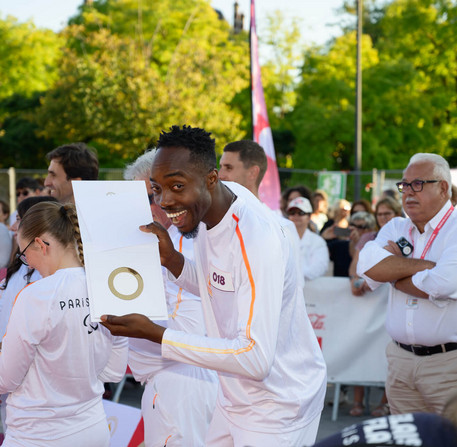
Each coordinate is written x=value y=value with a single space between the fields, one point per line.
x=270 y=190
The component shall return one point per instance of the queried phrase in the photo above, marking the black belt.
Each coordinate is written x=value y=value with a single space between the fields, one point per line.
x=428 y=350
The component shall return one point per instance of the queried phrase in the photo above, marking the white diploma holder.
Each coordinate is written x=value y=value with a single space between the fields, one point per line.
x=122 y=263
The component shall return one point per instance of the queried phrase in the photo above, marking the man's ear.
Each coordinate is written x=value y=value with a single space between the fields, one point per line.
x=444 y=187
x=212 y=178
x=254 y=172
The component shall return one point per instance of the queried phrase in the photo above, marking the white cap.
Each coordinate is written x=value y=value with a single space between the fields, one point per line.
x=302 y=204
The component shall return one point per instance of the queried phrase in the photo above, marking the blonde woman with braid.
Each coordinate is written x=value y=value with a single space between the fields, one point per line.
x=54 y=360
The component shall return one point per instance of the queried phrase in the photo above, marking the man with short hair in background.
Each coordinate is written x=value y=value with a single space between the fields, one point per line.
x=418 y=257
x=27 y=187
x=244 y=162
x=74 y=161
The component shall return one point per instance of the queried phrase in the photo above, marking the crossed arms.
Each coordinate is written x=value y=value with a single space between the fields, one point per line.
x=382 y=261
x=399 y=271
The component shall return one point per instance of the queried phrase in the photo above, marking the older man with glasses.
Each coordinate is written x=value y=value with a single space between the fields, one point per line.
x=418 y=257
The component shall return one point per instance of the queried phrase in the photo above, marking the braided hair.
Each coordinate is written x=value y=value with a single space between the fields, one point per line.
x=15 y=263
x=58 y=220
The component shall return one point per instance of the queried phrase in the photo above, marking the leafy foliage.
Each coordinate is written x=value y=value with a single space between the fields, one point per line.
x=28 y=58
x=122 y=81
x=28 y=67
x=409 y=90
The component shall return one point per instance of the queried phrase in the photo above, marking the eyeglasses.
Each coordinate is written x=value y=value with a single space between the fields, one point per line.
x=295 y=212
x=24 y=193
x=21 y=255
x=359 y=227
x=387 y=214
x=415 y=185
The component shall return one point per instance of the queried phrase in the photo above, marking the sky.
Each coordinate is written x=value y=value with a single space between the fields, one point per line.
x=318 y=17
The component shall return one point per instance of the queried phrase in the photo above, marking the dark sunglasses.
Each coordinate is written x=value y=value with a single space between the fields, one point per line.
x=295 y=212
x=24 y=193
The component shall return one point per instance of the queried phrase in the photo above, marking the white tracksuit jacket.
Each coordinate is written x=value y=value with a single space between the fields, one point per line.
x=271 y=369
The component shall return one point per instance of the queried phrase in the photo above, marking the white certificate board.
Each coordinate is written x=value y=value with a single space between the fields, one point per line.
x=122 y=263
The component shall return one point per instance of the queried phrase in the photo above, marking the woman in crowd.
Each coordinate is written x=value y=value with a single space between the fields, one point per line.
x=54 y=360
x=292 y=193
x=314 y=257
x=342 y=249
x=18 y=275
x=386 y=209
x=338 y=218
x=361 y=205
x=320 y=205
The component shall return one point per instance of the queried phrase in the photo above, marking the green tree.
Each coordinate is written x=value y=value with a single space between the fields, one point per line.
x=28 y=58
x=28 y=67
x=323 y=119
x=282 y=40
x=127 y=73
x=281 y=51
x=409 y=91
x=422 y=32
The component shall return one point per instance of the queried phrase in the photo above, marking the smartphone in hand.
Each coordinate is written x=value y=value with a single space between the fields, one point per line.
x=342 y=232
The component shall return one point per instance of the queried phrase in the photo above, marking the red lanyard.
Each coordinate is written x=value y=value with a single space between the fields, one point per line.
x=435 y=231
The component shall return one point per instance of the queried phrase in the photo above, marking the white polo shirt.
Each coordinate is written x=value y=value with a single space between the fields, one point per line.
x=413 y=320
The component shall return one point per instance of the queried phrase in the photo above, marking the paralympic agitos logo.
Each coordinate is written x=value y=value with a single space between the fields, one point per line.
x=91 y=327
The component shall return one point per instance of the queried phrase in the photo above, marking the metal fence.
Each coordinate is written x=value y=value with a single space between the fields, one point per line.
x=373 y=182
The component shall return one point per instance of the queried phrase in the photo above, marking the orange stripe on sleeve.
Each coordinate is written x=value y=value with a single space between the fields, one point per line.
x=179 y=296
x=251 y=279
x=251 y=311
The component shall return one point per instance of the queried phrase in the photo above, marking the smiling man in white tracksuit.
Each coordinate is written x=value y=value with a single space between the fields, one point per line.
x=260 y=340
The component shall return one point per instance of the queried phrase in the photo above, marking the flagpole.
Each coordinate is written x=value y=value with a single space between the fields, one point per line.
x=358 y=107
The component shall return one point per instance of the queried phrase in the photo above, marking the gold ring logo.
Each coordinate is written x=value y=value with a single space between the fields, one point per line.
x=132 y=272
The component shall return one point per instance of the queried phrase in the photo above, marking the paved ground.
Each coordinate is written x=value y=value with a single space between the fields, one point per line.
x=328 y=427
x=131 y=395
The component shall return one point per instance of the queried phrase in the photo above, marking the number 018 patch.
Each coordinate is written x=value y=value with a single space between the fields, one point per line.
x=221 y=280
